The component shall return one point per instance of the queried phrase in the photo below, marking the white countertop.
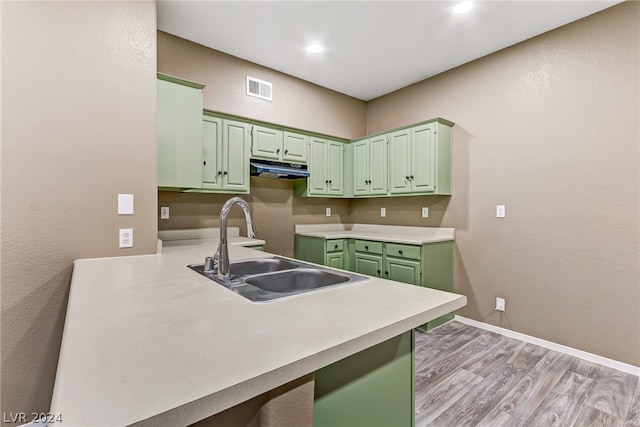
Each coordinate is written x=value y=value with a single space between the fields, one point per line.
x=383 y=233
x=148 y=341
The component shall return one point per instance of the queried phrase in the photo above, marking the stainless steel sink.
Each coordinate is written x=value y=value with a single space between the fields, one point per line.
x=266 y=279
x=259 y=266
x=300 y=279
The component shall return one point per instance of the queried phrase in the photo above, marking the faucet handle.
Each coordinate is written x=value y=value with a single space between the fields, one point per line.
x=210 y=264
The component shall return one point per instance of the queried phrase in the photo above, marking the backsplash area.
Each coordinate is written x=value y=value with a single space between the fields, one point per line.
x=276 y=211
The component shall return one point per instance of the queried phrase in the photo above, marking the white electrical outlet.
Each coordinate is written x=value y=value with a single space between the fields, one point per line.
x=500 y=304
x=425 y=212
x=164 y=212
x=501 y=211
x=126 y=237
x=328 y=212
x=383 y=212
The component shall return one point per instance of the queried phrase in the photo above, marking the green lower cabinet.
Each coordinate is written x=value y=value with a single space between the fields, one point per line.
x=369 y=264
x=402 y=270
x=334 y=253
x=335 y=260
x=429 y=265
x=320 y=251
x=374 y=387
x=257 y=247
x=438 y=273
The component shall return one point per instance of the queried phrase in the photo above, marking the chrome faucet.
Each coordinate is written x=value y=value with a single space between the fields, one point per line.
x=221 y=257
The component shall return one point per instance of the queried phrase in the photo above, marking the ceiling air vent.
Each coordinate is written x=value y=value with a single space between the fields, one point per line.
x=259 y=88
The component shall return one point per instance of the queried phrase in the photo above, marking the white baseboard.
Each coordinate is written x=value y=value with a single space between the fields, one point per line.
x=624 y=367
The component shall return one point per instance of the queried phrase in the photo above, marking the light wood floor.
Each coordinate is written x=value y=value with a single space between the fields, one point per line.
x=467 y=376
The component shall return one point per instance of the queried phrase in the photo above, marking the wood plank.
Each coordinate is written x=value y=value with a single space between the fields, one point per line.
x=590 y=416
x=633 y=415
x=441 y=341
x=495 y=357
x=498 y=418
x=429 y=374
x=586 y=368
x=564 y=402
x=613 y=392
x=430 y=405
x=522 y=401
x=476 y=404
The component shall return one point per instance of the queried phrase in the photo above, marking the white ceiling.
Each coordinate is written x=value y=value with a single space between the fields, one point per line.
x=372 y=47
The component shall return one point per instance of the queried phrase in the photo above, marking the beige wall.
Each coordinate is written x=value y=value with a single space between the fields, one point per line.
x=296 y=103
x=78 y=127
x=550 y=128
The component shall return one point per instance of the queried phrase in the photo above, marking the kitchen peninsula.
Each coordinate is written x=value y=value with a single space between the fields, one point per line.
x=147 y=341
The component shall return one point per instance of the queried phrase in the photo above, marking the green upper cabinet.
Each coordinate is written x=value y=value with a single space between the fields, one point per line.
x=277 y=145
x=235 y=156
x=370 y=166
x=326 y=169
x=266 y=143
x=420 y=159
x=225 y=155
x=211 y=152
x=179 y=123
x=294 y=147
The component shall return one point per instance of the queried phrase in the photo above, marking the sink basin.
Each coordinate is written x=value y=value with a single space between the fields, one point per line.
x=300 y=279
x=266 y=279
x=259 y=266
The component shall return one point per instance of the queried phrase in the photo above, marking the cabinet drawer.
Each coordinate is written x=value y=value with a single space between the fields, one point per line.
x=335 y=245
x=368 y=246
x=403 y=251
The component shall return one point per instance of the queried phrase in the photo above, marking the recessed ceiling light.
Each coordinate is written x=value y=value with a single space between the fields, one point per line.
x=314 y=48
x=463 y=7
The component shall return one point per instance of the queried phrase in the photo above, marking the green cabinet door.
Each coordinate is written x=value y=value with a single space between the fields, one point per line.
x=402 y=270
x=335 y=168
x=400 y=162
x=294 y=147
x=335 y=260
x=266 y=143
x=361 y=168
x=423 y=157
x=179 y=123
x=334 y=253
x=378 y=165
x=318 y=164
x=211 y=153
x=368 y=264
x=235 y=156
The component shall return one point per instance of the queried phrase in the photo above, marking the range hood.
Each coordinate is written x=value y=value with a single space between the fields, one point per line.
x=269 y=169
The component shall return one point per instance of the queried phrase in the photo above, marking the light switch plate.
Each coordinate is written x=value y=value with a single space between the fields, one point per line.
x=125 y=204
x=425 y=212
x=501 y=211
x=328 y=212
x=383 y=212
